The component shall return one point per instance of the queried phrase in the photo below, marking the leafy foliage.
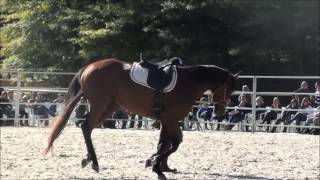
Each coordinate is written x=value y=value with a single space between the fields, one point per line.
x=257 y=37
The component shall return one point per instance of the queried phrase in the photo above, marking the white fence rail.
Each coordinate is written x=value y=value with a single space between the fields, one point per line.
x=18 y=88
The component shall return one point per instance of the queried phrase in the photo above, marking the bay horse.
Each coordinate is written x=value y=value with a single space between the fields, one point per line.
x=107 y=86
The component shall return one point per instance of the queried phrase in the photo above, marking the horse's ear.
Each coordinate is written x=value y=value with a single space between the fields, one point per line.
x=237 y=75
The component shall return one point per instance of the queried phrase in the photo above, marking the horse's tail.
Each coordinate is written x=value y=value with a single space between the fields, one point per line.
x=72 y=98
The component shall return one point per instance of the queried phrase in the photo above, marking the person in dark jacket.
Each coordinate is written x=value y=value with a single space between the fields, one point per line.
x=286 y=115
x=238 y=115
x=272 y=114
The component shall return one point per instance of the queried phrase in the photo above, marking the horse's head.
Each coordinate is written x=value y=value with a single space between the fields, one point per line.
x=220 y=81
x=221 y=94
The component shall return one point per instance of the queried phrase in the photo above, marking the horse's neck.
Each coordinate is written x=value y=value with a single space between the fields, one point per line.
x=199 y=79
x=210 y=77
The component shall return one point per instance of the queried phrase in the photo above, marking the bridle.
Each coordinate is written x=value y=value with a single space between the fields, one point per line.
x=222 y=87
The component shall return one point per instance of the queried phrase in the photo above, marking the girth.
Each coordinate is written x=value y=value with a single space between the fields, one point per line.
x=160 y=76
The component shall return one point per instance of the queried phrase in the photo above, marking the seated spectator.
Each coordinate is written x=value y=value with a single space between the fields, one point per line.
x=132 y=117
x=11 y=96
x=313 y=101
x=317 y=92
x=286 y=115
x=238 y=115
x=6 y=109
x=245 y=89
x=81 y=111
x=41 y=110
x=121 y=114
x=271 y=115
x=302 y=115
x=314 y=119
x=33 y=98
x=205 y=112
x=229 y=103
x=260 y=104
x=220 y=114
x=192 y=116
x=57 y=103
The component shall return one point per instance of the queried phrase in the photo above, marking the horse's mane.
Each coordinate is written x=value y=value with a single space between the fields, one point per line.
x=208 y=72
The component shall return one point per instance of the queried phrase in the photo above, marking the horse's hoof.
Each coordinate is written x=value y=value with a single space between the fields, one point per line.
x=162 y=177
x=84 y=162
x=169 y=170
x=148 y=163
x=95 y=167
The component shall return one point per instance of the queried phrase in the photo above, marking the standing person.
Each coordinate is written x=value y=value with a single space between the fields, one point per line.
x=286 y=115
x=304 y=88
x=272 y=114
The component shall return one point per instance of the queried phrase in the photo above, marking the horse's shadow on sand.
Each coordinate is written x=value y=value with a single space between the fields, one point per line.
x=193 y=175
x=217 y=175
x=208 y=176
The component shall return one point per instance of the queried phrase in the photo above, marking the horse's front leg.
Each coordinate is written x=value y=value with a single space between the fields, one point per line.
x=150 y=160
x=170 y=138
x=176 y=141
x=163 y=148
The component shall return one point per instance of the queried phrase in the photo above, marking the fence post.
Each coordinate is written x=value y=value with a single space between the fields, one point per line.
x=17 y=99
x=253 y=103
x=186 y=123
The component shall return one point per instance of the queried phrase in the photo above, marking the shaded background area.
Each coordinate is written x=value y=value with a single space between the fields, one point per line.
x=256 y=37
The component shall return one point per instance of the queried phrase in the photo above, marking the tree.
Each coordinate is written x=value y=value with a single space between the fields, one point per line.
x=259 y=37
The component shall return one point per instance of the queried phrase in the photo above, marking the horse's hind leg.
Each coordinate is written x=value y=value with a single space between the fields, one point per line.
x=94 y=118
x=91 y=156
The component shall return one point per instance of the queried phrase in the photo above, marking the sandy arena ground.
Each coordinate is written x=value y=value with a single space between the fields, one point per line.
x=122 y=154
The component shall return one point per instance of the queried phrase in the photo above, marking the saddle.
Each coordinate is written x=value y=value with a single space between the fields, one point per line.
x=160 y=74
x=160 y=77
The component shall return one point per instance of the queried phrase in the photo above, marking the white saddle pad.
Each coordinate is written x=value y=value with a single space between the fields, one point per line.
x=139 y=75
